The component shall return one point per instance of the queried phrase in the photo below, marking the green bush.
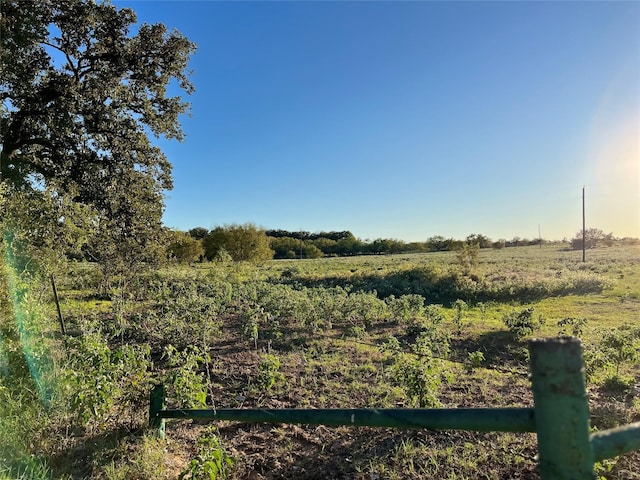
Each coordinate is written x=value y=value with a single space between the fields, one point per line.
x=621 y=346
x=572 y=326
x=431 y=336
x=212 y=462
x=421 y=378
x=406 y=307
x=459 y=306
x=105 y=382
x=474 y=360
x=523 y=323
x=184 y=377
x=269 y=374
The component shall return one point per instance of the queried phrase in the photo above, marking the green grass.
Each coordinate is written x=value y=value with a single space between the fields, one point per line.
x=325 y=321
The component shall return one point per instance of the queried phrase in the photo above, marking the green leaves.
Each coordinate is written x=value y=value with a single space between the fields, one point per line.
x=103 y=382
x=184 y=376
x=421 y=378
x=184 y=248
x=212 y=461
x=621 y=346
x=269 y=374
x=244 y=243
x=79 y=94
x=523 y=323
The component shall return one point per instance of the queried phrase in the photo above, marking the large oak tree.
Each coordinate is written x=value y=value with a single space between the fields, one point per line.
x=82 y=89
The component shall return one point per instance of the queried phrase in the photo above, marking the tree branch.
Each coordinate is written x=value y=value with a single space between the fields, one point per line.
x=73 y=67
x=42 y=141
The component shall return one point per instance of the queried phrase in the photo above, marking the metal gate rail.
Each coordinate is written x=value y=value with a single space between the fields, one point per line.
x=560 y=416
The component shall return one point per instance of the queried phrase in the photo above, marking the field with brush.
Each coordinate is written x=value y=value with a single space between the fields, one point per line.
x=446 y=329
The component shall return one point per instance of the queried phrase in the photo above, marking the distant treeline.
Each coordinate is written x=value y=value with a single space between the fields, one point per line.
x=312 y=245
x=309 y=236
x=250 y=243
x=247 y=242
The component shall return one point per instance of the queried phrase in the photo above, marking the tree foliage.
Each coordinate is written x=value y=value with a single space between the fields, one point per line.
x=242 y=242
x=184 y=248
x=286 y=247
x=198 y=233
x=80 y=96
x=478 y=239
x=592 y=238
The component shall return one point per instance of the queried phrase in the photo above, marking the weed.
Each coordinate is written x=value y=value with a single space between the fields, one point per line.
x=474 y=360
x=357 y=331
x=572 y=326
x=420 y=377
x=251 y=324
x=103 y=381
x=618 y=383
x=621 y=346
x=212 y=461
x=269 y=374
x=405 y=307
x=594 y=361
x=459 y=306
x=26 y=468
x=184 y=376
x=146 y=462
x=467 y=257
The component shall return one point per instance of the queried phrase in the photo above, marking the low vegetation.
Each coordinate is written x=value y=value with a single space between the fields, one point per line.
x=370 y=331
x=333 y=321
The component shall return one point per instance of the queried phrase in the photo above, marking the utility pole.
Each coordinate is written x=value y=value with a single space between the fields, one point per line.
x=584 y=231
x=539 y=236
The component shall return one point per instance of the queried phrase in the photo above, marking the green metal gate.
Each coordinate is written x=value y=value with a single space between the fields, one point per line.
x=560 y=416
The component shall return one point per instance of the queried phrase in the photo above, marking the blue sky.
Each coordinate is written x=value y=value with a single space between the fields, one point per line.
x=408 y=119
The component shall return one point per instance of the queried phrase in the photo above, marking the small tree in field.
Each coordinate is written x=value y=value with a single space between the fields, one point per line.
x=592 y=238
x=467 y=257
x=459 y=306
x=621 y=346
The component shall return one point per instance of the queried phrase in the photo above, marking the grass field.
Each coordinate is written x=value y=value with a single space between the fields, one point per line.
x=372 y=331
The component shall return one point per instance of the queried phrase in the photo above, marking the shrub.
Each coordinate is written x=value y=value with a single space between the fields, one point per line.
x=431 y=336
x=621 y=346
x=269 y=374
x=474 y=360
x=572 y=326
x=421 y=378
x=459 y=306
x=212 y=461
x=618 y=383
x=523 y=323
x=184 y=376
x=406 y=307
x=594 y=361
x=467 y=257
x=105 y=382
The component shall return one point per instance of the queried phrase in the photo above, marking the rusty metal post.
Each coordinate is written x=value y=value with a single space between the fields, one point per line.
x=63 y=329
x=561 y=409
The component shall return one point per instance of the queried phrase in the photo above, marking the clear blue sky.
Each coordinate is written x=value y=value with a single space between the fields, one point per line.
x=408 y=119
